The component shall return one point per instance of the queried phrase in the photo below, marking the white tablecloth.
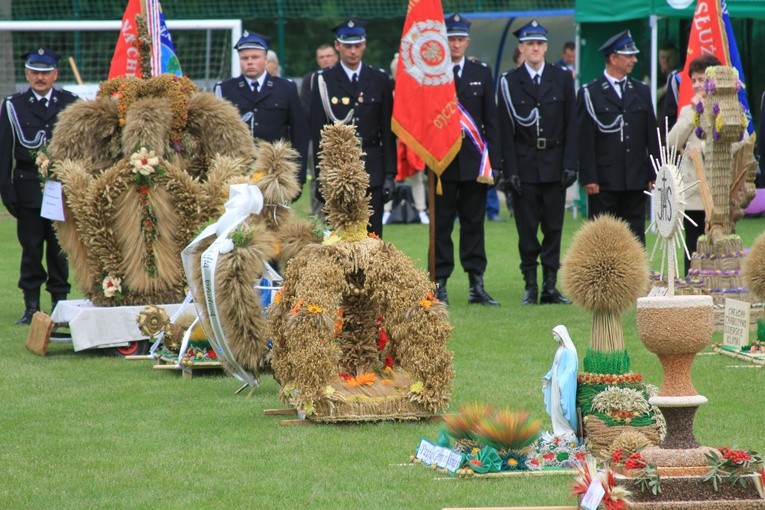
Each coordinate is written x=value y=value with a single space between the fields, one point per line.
x=93 y=326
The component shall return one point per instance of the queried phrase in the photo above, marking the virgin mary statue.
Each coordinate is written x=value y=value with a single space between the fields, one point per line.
x=559 y=386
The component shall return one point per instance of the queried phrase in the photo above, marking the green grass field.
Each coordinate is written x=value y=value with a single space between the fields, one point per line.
x=85 y=430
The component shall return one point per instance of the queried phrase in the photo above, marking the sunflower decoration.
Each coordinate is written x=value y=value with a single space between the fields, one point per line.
x=362 y=286
x=153 y=320
x=461 y=426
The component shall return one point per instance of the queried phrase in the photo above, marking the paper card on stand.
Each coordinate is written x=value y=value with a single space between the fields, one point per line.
x=52 y=202
x=454 y=462
x=426 y=452
x=736 y=322
x=593 y=496
x=442 y=456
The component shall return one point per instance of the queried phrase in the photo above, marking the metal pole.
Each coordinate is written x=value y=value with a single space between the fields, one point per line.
x=280 y=26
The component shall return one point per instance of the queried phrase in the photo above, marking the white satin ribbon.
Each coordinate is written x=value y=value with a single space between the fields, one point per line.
x=244 y=199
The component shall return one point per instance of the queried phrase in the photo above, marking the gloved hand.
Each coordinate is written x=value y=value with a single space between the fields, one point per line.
x=12 y=210
x=388 y=189
x=496 y=176
x=515 y=184
x=568 y=178
x=318 y=193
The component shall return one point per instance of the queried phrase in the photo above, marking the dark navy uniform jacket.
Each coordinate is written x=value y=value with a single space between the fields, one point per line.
x=538 y=157
x=273 y=114
x=476 y=94
x=24 y=122
x=617 y=161
x=370 y=108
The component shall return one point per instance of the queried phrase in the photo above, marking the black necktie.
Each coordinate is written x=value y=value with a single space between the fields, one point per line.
x=537 y=80
x=457 y=76
x=355 y=82
x=254 y=88
x=43 y=102
x=621 y=88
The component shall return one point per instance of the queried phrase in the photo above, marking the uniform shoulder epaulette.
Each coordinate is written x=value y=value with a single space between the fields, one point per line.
x=68 y=93
x=377 y=69
x=320 y=71
x=476 y=61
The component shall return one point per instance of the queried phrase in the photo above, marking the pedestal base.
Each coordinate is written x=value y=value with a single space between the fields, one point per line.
x=679 y=427
x=686 y=492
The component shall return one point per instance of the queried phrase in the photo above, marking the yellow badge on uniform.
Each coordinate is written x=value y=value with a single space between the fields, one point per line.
x=346 y=100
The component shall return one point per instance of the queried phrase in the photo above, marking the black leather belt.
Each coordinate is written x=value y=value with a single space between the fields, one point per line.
x=542 y=143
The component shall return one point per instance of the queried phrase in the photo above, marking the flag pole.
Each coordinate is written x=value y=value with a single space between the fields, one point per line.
x=432 y=225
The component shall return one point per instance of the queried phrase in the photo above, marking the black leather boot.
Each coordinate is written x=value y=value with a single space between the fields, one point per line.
x=532 y=290
x=477 y=293
x=550 y=294
x=54 y=299
x=31 y=305
x=441 y=291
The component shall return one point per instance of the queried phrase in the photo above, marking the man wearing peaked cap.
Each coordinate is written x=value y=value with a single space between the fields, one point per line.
x=26 y=125
x=537 y=118
x=617 y=134
x=464 y=180
x=355 y=93
x=268 y=104
x=351 y=31
x=457 y=26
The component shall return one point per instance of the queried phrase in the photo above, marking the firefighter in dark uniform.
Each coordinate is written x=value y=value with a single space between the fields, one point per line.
x=617 y=133
x=352 y=92
x=467 y=179
x=26 y=123
x=537 y=118
x=268 y=104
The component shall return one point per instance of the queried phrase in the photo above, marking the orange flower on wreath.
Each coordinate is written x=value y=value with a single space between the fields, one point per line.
x=367 y=379
x=297 y=307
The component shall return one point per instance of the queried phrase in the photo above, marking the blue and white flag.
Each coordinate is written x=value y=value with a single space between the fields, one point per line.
x=163 y=57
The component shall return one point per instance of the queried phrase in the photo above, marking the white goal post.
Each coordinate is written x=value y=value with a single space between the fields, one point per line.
x=233 y=26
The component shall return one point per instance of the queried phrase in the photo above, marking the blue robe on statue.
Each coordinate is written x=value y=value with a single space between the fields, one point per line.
x=562 y=377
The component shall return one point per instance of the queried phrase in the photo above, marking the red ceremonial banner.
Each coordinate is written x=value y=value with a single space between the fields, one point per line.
x=127 y=60
x=707 y=38
x=425 y=113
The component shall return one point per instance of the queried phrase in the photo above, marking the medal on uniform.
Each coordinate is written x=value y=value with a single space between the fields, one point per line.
x=334 y=100
x=346 y=100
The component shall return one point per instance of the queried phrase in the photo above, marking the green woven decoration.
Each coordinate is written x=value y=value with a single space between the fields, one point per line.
x=606 y=362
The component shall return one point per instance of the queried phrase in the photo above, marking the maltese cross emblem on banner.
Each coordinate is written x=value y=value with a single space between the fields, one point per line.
x=425 y=53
